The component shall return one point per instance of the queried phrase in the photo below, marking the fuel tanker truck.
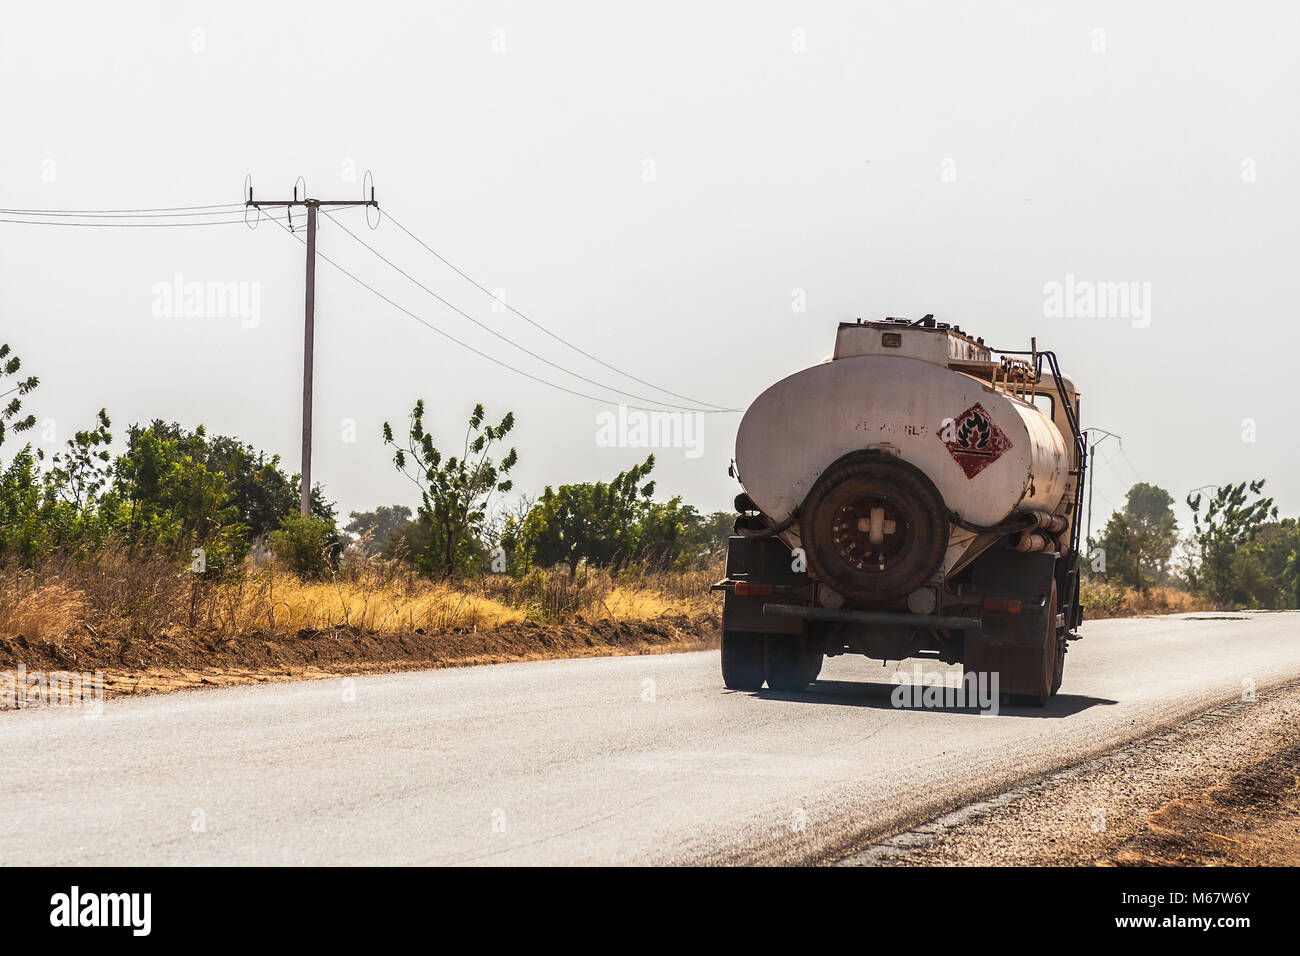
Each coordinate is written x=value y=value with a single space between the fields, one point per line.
x=916 y=495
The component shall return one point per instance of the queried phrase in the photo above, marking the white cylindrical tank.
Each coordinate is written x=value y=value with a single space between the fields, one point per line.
x=989 y=454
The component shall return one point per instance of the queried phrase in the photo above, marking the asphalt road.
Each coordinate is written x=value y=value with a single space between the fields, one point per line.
x=609 y=760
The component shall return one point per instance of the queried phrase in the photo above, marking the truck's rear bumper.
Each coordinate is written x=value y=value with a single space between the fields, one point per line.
x=846 y=616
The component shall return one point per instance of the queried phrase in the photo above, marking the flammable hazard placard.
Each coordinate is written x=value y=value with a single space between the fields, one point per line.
x=974 y=440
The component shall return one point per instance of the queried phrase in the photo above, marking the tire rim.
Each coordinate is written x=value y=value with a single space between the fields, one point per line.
x=871 y=533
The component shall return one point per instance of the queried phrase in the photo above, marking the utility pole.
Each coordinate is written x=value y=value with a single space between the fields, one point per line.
x=1092 y=460
x=309 y=325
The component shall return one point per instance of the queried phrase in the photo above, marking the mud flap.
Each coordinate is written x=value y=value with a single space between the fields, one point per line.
x=1013 y=645
x=765 y=560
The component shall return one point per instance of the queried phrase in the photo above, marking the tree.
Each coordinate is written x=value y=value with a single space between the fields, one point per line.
x=79 y=473
x=167 y=498
x=598 y=523
x=1291 y=578
x=560 y=527
x=22 y=533
x=172 y=488
x=715 y=531
x=505 y=531
x=620 y=507
x=1263 y=569
x=677 y=535
x=454 y=492
x=377 y=528
x=260 y=490
x=58 y=508
x=9 y=367
x=1141 y=538
x=305 y=543
x=1231 y=519
x=24 y=530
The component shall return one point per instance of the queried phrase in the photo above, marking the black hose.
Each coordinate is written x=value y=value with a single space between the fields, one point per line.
x=1011 y=525
x=772 y=530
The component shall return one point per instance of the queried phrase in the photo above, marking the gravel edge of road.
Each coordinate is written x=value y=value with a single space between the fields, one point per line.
x=1089 y=812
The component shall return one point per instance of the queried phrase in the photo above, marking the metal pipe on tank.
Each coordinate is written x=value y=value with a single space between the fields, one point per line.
x=1032 y=541
x=1046 y=521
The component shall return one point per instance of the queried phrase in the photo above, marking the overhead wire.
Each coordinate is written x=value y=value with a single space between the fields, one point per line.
x=1129 y=462
x=135 y=225
x=537 y=325
x=1110 y=463
x=487 y=328
x=464 y=345
x=203 y=215
x=206 y=215
x=108 y=212
x=121 y=215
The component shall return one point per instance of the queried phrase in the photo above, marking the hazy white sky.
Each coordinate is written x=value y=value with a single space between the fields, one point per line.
x=660 y=184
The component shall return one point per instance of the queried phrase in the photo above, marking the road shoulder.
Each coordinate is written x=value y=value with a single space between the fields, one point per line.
x=1220 y=789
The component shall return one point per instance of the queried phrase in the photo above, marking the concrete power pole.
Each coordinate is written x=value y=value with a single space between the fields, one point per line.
x=309 y=324
x=1092 y=460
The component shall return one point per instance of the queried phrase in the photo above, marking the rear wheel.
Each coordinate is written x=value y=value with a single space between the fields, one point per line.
x=1053 y=658
x=1059 y=674
x=792 y=662
x=742 y=660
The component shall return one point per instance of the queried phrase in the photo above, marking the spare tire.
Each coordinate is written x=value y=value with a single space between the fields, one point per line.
x=874 y=527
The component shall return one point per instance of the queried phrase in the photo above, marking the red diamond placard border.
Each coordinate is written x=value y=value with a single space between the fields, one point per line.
x=974 y=459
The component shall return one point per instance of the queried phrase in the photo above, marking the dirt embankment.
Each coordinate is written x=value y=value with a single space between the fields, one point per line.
x=197 y=660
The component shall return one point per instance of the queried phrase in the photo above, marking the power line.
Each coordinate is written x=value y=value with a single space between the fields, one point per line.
x=53 y=214
x=537 y=325
x=1113 y=507
x=133 y=225
x=510 y=342
x=1129 y=462
x=203 y=213
x=465 y=345
x=105 y=212
x=1110 y=463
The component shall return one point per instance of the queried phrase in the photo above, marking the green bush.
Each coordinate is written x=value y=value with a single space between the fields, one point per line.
x=1101 y=598
x=305 y=543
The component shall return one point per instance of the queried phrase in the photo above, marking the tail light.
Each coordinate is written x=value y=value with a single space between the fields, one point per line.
x=754 y=589
x=1001 y=606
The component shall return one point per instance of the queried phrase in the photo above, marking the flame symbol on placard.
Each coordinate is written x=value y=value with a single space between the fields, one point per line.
x=975 y=427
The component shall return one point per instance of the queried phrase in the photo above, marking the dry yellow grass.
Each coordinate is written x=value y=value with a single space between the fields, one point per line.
x=115 y=595
x=1104 y=599
x=432 y=607
x=45 y=612
x=151 y=627
x=641 y=604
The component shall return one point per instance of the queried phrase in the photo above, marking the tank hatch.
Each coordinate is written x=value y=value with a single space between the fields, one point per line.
x=924 y=339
